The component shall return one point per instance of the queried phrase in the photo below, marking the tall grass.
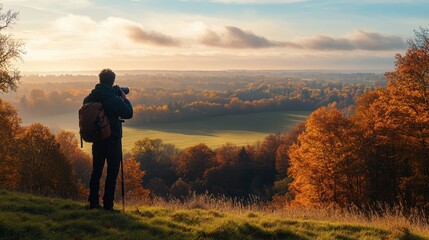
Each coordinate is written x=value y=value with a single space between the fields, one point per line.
x=24 y=216
x=393 y=219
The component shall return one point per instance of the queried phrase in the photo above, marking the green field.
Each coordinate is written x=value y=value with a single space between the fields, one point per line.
x=29 y=217
x=240 y=129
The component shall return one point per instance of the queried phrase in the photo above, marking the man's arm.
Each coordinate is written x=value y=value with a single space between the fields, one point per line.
x=124 y=109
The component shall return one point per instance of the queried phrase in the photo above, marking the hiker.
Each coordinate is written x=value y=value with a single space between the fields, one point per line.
x=116 y=107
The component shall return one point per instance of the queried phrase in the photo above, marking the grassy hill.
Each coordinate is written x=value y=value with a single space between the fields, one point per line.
x=28 y=217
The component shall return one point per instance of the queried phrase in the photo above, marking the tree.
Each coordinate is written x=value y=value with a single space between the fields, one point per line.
x=382 y=146
x=133 y=181
x=325 y=167
x=282 y=157
x=78 y=160
x=194 y=161
x=180 y=189
x=264 y=164
x=10 y=50
x=43 y=169
x=9 y=129
x=395 y=121
x=231 y=176
x=156 y=160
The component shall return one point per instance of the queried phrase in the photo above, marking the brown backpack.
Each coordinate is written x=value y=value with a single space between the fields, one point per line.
x=94 y=125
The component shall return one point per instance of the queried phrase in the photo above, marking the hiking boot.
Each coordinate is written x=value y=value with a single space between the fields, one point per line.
x=95 y=206
x=111 y=210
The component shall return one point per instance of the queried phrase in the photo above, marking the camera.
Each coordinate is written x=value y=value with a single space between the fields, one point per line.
x=118 y=90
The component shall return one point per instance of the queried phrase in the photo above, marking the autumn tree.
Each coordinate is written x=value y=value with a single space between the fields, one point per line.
x=382 y=147
x=325 y=167
x=408 y=86
x=395 y=121
x=282 y=157
x=180 y=189
x=193 y=162
x=9 y=129
x=133 y=181
x=10 y=50
x=43 y=169
x=264 y=165
x=231 y=176
x=156 y=160
x=79 y=161
x=281 y=185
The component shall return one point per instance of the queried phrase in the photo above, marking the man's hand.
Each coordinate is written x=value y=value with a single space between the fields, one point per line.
x=123 y=96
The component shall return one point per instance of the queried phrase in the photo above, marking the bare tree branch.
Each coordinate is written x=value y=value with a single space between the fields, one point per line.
x=11 y=49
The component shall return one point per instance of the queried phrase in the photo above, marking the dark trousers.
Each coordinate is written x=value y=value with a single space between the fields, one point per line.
x=110 y=150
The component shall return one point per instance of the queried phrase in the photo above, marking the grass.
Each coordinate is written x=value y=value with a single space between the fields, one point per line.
x=241 y=129
x=29 y=217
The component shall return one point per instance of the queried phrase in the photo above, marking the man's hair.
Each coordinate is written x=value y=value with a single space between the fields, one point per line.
x=107 y=76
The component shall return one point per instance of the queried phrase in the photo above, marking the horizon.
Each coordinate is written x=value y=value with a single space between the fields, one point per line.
x=214 y=35
x=146 y=71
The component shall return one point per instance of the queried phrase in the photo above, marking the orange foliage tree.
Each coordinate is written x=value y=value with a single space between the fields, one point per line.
x=324 y=163
x=408 y=88
x=396 y=121
x=133 y=181
x=193 y=162
x=9 y=129
x=43 y=169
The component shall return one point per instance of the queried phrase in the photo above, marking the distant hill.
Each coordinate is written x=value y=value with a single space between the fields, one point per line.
x=29 y=217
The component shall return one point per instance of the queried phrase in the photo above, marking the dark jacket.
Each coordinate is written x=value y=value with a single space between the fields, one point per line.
x=113 y=106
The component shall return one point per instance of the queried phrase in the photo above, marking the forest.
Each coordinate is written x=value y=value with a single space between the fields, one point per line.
x=181 y=96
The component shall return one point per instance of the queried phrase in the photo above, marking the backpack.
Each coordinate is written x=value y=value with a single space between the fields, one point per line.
x=94 y=125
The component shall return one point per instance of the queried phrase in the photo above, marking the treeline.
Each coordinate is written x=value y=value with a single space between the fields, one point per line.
x=256 y=97
x=170 y=104
x=231 y=171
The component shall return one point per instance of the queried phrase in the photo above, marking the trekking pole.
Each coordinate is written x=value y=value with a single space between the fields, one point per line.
x=122 y=175
x=122 y=183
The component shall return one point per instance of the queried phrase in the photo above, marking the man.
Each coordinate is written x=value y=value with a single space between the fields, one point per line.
x=116 y=108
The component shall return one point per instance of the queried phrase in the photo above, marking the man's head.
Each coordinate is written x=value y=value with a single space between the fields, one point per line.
x=107 y=76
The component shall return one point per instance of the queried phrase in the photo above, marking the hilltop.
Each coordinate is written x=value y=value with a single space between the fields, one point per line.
x=25 y=216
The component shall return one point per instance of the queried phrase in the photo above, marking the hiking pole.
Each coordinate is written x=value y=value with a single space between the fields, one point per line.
x=122 y=174
x=122 y=183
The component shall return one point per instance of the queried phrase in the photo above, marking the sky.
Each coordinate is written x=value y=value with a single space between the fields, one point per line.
x=330 y=35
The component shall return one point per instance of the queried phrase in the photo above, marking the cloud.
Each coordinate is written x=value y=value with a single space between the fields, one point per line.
x=360 y=40
x=234 y=37
x=81 y=37
x=112 y=30
x=139 y=35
